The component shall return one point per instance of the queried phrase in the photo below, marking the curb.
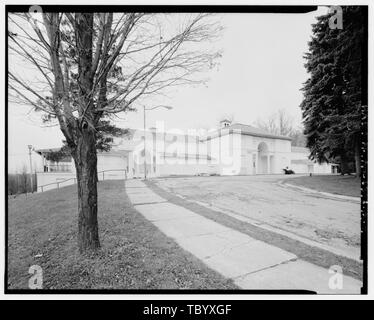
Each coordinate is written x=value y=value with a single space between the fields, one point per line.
x=326 y=194
x=264 y=226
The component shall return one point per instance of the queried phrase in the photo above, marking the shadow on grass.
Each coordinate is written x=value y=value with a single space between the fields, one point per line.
x=134 y=254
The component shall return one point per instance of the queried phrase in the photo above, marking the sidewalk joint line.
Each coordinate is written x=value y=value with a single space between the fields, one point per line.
x=266 y=268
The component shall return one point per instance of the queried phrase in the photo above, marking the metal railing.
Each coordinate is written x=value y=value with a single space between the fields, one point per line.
x=58 y=168
x=58 y=183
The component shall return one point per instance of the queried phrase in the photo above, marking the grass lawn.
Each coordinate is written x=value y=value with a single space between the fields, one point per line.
x=343 y=185
x=134 y=254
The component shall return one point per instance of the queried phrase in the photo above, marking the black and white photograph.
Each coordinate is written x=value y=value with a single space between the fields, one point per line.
x=176 y=149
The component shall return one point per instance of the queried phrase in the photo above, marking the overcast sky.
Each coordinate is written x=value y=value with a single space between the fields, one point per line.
x=261 y=71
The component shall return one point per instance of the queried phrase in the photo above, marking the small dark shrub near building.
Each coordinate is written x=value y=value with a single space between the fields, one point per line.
x=21 y=183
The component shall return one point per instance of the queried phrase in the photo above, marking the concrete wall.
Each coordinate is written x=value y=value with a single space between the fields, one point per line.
x=300 y=168
x=316 y=168
x=169 y=154
x=46 y=178
x=186 y=169
x=323 y=168
x=299 y=155
x=278 y=150
x=110 y=162
x=225 y=153
x=238 y=154
x=312 y=167
x=230 y=154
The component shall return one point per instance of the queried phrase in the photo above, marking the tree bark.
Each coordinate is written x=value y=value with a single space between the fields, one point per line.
x=86 y=168
x=344 y=165
x=85 y=154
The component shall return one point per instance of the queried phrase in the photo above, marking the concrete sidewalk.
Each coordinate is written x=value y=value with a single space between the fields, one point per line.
x=252 y=264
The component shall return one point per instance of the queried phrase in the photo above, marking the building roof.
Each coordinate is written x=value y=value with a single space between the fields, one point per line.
x=236 y=127
x=111 y=152
x=47 y=150
x=248 y=130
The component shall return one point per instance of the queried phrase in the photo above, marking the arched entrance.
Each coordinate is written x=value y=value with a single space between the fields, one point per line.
x=263 y=158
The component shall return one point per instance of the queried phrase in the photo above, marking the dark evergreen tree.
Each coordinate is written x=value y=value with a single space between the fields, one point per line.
x=105 y=132
x=332 y=95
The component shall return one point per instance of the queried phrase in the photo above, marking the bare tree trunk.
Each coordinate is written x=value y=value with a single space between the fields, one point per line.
x=82 y=55
x=85 y=154
x=86 y=167
x=344 y=165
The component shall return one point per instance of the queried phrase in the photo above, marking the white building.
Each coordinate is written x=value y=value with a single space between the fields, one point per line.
x=300 y=163
x=233 y=149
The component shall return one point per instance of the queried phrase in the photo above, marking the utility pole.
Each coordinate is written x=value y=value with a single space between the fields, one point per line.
x=31 y=178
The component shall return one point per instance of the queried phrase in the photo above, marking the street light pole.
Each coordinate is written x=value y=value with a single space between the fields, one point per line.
x=144 y=124
x=31 y=179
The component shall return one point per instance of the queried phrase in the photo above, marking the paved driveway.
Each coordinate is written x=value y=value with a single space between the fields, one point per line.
x=250 y=263
x=331 y=222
